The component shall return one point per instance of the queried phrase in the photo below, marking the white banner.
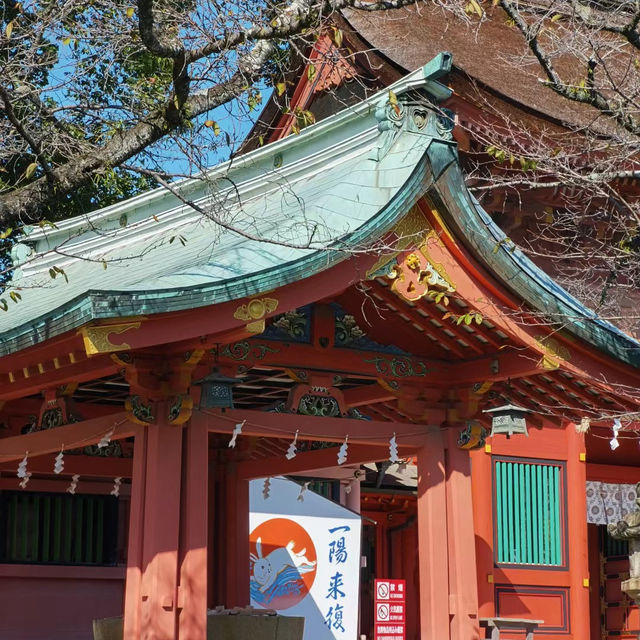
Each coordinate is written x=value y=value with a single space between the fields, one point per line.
x=305 y=558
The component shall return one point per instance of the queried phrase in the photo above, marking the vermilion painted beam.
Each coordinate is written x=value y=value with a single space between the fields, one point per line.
x=309 y=461
x=506 y=313
x=86 y=466
x=71 y=436
x=500 y=365
x=284 y=425
x=87 y=369
x=336 y=360
x=367 y=394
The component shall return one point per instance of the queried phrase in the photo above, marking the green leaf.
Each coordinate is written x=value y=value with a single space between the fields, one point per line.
x=6 y=233
x=66 y=41
x=311 y=72
x=281 y=87
x=130 y=11
x=467 y=319
x=9 y=29
x=15 y=296
x=3 y=304
x=337 y=36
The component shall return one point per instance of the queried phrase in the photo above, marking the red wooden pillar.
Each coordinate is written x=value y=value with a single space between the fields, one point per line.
x=192 y=590
x=160 y=539
x=432 y=538
x=134 y=551
x=163 y=553
x=482 y=498
x=577 y=533
x=237 y=539
x=463 y=589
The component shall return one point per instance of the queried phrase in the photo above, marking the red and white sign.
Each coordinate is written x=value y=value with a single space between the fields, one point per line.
x=390 y=610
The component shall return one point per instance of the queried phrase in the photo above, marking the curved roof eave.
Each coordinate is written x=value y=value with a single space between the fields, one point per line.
x=464 y=215
x=357 y=173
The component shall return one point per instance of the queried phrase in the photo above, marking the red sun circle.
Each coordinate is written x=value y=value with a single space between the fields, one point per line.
x=281 y=575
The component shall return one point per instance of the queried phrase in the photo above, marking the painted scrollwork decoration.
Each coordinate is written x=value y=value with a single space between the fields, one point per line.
x=315 y=405
x=244 y=350
x=112 y=450
x=138 y=411
x=398 y=367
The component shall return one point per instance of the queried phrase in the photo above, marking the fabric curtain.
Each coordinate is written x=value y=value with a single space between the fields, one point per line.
x=607 y=502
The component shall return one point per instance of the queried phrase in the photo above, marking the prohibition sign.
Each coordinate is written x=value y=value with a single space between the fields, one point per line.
x=382 y=612
x=382 y=591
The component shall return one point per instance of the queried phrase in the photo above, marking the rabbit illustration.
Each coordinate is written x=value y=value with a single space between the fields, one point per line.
x=267 y=569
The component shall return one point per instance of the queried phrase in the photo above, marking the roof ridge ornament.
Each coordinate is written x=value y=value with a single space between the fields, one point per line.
x=417 y=98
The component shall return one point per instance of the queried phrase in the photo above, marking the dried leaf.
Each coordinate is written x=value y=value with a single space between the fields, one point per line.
x=30 y=169
x=9 y=29
x=337 y=36
x=130 y=11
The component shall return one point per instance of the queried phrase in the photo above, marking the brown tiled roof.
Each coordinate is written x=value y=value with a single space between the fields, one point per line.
x=485 y=51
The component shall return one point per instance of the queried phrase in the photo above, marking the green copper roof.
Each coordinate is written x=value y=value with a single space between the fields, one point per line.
x=274 y=216
x=290 y=209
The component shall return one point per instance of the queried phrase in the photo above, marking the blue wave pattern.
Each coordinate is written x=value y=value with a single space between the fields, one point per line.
x=287 y=583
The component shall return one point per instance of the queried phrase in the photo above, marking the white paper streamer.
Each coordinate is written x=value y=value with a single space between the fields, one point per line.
x=105 y=440
x=237 y=430
x=116 y=486
x=614 y=444
x=291 y=451
x=266 y=488
x=74 y=484
x=393 y=450
x=303 y=489
x=342 y=454
x=25 y=480
x=22 y=467
x=59 y=464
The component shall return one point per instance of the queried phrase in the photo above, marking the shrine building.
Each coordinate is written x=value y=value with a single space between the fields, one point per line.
x=340 y=289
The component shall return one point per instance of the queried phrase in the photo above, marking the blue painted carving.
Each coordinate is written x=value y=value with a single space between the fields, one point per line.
x=292 y=326
x=348 y=335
